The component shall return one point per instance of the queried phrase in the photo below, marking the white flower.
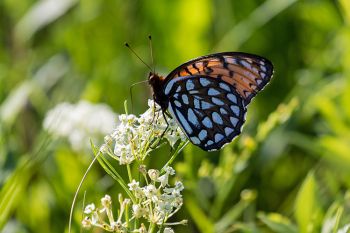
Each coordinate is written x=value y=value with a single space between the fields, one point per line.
x=134 y=136
x=89 y=208
x=133 y=139
x=94 y=218
x=169 y=170
x=151 y=192
x=133 y=185
x=164 y=207
x=80 y=122
x=104 y=148
x=168 y=230
x=108 y=139
x=165 y=178
x=178 y=188
x=124 y=153
x=106 y=201
x=172 y=139
x=138 y=211
x=153 y=174
x=86 y=223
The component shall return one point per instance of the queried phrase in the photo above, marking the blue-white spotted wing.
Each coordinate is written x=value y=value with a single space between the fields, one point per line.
x=208 y=95
x=209 y=111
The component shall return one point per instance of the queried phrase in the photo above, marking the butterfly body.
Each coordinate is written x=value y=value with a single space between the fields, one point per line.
x=208 y=95
x=157 y=83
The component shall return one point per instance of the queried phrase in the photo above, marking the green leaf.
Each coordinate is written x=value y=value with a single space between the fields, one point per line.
x=278 y=223
x=305 y=203
x=202 y=221
x=231 y=216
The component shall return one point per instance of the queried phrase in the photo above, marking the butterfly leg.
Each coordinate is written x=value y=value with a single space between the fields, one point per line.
x=163 y=133
x=167 y=124
x=154 y=112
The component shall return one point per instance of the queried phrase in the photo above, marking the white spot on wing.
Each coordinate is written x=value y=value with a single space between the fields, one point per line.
x=218 y=137
x=189 y=85
x=217 y=101
x=246 y=64
x=184 y=122
x=184 y=99
x=204 y=82
x=192 y=117
x=224 y=86
x=169 y=86
x=234 y=121
x=232 y=98
x=206 y=105
x=217 y=118
x=202 y=134
x=223 y=111
x=213 y=91
x=249 y=74
x=196 y=103
x=195 y=140
x=231 y=60
x=207 y=122
x=235 y=109
x=210 y=142
x=228 y=131
x=193 y=92
x=177 y=103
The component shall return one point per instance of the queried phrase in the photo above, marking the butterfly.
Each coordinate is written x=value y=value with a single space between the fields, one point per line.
x=208 y=96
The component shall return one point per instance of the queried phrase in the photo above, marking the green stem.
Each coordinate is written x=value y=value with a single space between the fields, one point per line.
x=126 y=107
x=115 y=175
x=174 y=155
x=129 y=172
x=127 y=215
x=151 y=228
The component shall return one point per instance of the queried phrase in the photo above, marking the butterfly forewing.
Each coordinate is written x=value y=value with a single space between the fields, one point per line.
x=247 y=73
x=210 y=111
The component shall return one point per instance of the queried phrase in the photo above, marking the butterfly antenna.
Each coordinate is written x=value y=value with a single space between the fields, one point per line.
x=151 y=48
x=130 y=90
x=128 y=46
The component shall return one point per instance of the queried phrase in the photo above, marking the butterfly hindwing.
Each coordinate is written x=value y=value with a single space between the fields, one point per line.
x=209 y=110
x=247 y=73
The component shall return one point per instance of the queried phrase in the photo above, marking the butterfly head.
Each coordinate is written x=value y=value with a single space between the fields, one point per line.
x=157 y=83
x=155 y=79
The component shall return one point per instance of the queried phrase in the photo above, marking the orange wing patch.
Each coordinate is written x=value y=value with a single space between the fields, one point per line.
x=242 y=74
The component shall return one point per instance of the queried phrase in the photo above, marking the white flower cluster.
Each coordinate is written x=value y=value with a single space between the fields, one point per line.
x=135 y=136
x=133 y=139
x=155 y=202
x=80 y=122
x=94 y=216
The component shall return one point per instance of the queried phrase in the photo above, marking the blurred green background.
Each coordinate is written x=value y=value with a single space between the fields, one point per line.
x=289 y=171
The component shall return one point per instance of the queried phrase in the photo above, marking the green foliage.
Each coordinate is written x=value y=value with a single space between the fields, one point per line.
x=287 y=172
